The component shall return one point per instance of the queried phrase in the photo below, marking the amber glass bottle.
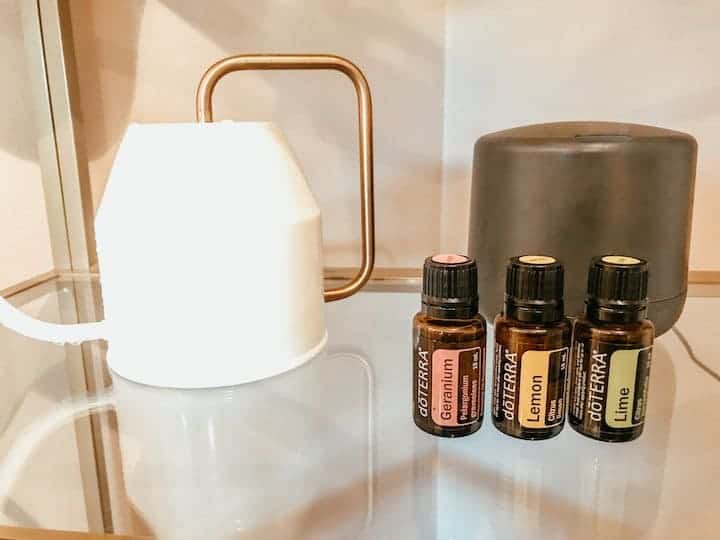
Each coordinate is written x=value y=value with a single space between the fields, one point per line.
x=612 y=352
x=532 y=348
x=449 y=349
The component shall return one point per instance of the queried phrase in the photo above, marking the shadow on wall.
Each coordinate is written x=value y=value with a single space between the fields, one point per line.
x=140 y=61
x=17 y=135
x=106 y=103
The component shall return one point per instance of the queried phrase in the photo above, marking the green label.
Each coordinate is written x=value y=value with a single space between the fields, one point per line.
x=610 y=385
x=621 y=388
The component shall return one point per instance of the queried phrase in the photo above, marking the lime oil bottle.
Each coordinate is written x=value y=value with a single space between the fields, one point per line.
x=612 y=351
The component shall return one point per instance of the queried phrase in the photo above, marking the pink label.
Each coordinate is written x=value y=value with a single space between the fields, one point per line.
x=456 y=386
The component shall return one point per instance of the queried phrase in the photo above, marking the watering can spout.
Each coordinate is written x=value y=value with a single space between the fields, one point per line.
x=14 y=319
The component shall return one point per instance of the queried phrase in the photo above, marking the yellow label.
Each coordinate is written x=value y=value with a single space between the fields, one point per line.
x=533 y=388
x=537 y=259
x=621 y=388
x=620 y=259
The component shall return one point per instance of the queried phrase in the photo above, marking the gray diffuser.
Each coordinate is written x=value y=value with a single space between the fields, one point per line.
x=578 y=189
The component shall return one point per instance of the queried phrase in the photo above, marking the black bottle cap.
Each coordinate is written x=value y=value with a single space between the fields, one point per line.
x=450 y=287
x=534 y=289
x=617 y=289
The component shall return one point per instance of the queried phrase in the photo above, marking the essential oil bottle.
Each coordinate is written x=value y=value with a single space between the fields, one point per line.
x=532 y=350
x=449 y=349
x=612 y=351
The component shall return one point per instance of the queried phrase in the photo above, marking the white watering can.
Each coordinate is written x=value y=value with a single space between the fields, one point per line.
x=209 y=246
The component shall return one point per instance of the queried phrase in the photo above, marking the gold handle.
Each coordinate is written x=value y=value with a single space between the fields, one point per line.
x=203 y=104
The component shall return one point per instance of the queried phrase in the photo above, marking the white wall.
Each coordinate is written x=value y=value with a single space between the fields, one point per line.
x=141 y=62
x=24 y=236
x=648 y=61
x=442 y=72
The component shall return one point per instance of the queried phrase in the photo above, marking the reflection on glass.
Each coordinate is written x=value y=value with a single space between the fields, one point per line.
x=425 y=485
x=566 y=487
x=286 y=457
x=619 y=484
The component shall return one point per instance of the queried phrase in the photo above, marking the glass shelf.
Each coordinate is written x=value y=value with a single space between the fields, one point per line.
x=329 y=450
